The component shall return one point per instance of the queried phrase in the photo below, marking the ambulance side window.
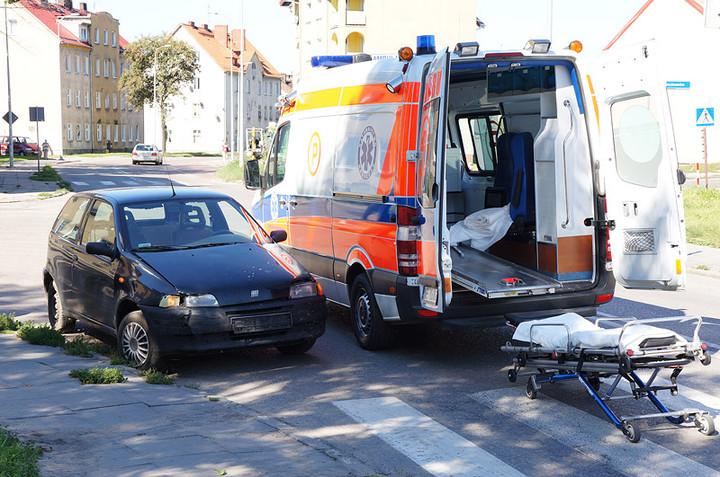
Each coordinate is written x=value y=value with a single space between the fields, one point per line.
x=477 y=142
x=278 y=157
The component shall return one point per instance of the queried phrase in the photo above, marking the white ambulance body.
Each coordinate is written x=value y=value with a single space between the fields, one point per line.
x=373 y=163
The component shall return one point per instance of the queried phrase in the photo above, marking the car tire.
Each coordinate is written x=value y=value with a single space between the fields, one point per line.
x=56 y=315
x=136 y=343
x=371 y=331
x=297 y=348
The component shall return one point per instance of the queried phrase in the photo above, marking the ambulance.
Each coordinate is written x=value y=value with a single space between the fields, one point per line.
x=374 y=163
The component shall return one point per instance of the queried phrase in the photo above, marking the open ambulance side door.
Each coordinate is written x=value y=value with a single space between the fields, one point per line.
x=434 y=263
x=640 y=166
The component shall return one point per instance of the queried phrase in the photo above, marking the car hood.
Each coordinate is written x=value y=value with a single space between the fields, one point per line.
x=235 y=274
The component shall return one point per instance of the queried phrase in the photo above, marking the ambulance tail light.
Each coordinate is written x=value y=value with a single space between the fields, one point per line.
x=608 y=248
x=406 y=239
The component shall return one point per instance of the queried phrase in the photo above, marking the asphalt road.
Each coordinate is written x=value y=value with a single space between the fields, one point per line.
x=408 y=410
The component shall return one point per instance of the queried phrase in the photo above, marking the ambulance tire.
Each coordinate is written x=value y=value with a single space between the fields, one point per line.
x=371 y=331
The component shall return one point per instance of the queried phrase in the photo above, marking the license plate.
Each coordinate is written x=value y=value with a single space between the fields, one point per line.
x=260 y=323
x=430 y=295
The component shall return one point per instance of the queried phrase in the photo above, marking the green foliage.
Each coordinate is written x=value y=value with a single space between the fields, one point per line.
x=78 y=347
x=17 y=458
x=231 y=172
x=8 y=322
x=153 y=376
x=98 y=375
x=46 y=174
x=40 y=335
x=702 y=209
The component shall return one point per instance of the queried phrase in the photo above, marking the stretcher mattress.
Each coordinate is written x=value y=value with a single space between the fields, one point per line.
x=556 y=331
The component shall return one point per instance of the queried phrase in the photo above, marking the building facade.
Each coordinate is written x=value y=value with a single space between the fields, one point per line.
x=69 y=60
x=208 y=112
x=376 y=27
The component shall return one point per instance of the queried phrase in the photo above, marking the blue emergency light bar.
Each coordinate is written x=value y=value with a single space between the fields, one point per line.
x=331 y=61
x=426 y=45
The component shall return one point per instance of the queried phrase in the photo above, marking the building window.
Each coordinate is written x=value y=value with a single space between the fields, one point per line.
x=122 y=102
x=124 y=132
x=107 y=101
x=97 y=35
x=106 y=68
x=69 y=97
x=114 y=38
x=69 y=132
x=105 y=37
x=87 y=99
x=68 y=63
x=108 y=131
x=114 y=69
x=78 y=103
x=88 y=134
x=196 y=82
x=97 y=67
x=115 y=136
x=196 y=136
x=99 y=132
x=97 y=100
x=78 y=132
x=137 y=133
x=83 y=34
x=114 y=101
x=196 y=110
x=12 y=27
x=354 y=43
x=87 y=66
x=77 y=64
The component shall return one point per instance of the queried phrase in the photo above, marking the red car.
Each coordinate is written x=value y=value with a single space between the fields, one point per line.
x=22 y=146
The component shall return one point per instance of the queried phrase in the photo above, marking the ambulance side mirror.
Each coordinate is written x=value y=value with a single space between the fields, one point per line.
x=253 y=180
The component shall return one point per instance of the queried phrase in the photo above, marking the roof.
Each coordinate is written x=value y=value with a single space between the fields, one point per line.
x=48 y=14
x=205 y=37
x=693 y=3
x=136 y=195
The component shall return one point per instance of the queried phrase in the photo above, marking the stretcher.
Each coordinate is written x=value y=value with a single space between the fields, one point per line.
x=568 y=346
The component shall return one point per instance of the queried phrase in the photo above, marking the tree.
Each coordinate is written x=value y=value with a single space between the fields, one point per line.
x=176 y=68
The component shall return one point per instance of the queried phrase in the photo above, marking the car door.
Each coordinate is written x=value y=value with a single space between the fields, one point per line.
x=94 y=275
x=640 y=166
x=434 y=263
x=276 y=201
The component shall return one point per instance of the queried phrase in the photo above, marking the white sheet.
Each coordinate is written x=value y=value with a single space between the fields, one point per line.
x=587 y=335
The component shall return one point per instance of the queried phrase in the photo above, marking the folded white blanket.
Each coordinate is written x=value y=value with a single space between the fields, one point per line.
x=583 y=333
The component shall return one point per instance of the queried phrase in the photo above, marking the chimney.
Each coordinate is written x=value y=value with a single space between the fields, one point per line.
x=237 y=37
x=221 y=35
x=68 y=4
x=192 y=24
x=205 y=26
x=83 y=6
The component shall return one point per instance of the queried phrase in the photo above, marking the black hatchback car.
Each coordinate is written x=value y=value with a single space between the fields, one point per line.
x=172 y=271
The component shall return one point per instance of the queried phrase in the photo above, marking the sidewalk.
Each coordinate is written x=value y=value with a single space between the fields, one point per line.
x=140 y=429
x=15 y=183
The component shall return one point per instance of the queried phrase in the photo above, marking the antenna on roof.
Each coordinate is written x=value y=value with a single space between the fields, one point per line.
x=167 y=170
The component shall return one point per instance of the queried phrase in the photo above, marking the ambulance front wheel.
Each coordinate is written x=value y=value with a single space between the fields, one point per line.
x=371 y=331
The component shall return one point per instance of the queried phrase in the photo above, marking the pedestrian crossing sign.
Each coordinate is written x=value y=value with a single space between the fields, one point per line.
x=705 y=117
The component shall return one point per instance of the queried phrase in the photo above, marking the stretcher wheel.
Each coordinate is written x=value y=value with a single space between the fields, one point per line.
x=530 y=390
x=512 y=375
x=631 y=431
x=706 y=358
x=705 y=423
x=625 y=364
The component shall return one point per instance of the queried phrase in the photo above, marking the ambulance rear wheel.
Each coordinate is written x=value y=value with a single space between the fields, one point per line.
x=371 y=331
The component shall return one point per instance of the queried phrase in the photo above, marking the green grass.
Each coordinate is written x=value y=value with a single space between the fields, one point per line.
x=49 y=174
x=702 y=215
x=17 y=458
x=8 y=323
x=231 y=172
x=40 y=335
x=153 y=376
x=690 y=168
x=98 y=375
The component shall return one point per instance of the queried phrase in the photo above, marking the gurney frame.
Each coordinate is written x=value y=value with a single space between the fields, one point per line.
x=590 y=365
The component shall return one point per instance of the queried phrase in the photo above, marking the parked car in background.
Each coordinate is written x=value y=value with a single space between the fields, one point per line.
x=171 y=271
x=146 y=153
x=22 y=146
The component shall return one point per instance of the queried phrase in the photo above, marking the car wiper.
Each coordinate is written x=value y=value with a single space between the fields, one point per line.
x=214 y=244
x=158 y=248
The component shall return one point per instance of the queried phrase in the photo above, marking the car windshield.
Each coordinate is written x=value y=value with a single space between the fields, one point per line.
x=188 y=223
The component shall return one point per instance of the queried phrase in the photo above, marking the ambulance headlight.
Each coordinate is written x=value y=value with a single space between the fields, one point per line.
x=395 y=84
x=538 y=46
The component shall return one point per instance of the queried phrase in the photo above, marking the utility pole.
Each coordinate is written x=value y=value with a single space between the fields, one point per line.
x=11 y=144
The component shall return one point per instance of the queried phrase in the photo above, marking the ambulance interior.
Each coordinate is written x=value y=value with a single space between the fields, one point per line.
x=517 y=138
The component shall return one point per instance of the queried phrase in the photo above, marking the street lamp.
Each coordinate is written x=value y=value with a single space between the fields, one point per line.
x=229 y=95
x=155 y=93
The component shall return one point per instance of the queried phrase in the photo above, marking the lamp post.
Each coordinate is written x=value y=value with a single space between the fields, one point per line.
x=229 y=96
x=11 y=146
x=241 y=94
x=155 y=93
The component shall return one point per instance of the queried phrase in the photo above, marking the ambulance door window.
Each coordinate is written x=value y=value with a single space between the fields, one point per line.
x=429 y=157
x=278 y=156
x=477 y=141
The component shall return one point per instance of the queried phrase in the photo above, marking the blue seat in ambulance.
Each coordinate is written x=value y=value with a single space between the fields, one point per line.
x=522 y=198
x=497 y=195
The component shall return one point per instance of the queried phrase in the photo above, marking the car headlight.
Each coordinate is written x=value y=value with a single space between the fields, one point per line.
x=191 y=301
x=303 y=290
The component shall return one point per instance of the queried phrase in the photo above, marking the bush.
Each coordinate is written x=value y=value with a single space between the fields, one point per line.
x=47 y=174
x=40 y=335
x=78 y=347
x=17 y=457
x=98 y=375
x=153 y=376
x=8 y=322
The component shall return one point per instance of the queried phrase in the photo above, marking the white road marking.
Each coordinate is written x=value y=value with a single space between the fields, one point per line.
x=434 y=447
x=80 y=183
x=131 y=183
x=108 y=183
x=590 y=435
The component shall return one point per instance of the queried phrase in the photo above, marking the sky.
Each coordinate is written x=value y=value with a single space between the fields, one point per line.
x=509 y=23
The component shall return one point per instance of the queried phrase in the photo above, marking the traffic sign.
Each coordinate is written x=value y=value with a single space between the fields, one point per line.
x=705 y=117
x=7 y=118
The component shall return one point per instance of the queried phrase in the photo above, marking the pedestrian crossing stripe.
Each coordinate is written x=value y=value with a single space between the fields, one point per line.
x=705 y=117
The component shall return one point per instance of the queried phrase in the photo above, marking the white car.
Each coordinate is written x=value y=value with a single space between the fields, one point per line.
x=146 y=153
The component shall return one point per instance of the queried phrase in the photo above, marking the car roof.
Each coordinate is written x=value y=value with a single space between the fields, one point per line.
x=123 y=196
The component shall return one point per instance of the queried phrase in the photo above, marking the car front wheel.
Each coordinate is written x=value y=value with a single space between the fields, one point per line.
x=136 y=343
x=56 y=316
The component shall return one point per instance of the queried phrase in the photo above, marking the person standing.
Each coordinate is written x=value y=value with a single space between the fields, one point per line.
x=46 y=148
x=225 y=150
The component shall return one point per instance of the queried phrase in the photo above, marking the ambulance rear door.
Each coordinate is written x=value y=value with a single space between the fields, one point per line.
x=434 y=263
x=640 y=166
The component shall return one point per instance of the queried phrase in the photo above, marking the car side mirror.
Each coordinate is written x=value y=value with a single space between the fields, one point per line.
x=278 y=235
x=102 y=248
x=253 y=180
x=681 y=177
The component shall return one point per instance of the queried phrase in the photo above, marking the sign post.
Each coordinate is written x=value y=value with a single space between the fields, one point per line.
x=704 y=117
x=37 y=114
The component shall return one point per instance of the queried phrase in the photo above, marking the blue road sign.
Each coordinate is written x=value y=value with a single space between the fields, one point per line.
x=705 y=117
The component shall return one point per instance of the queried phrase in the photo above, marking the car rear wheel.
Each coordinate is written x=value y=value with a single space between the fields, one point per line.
x=371 y=331
x=56 y=316
x=136 y=343
x=297 y=348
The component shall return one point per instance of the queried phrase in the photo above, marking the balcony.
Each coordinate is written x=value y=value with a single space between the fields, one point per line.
x=355 y=18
